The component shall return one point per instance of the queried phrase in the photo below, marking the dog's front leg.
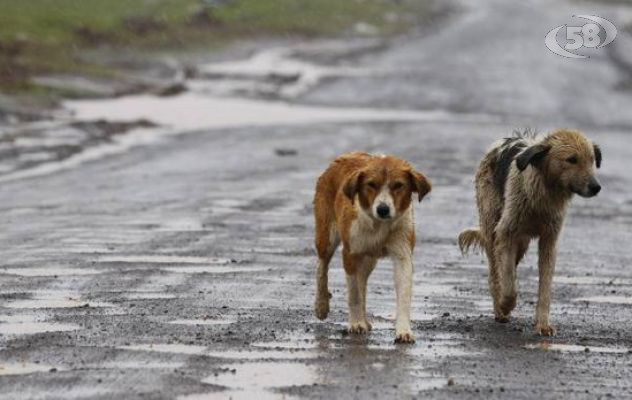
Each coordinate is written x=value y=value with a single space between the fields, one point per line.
x=353 y=264
x=547 y=248
x=368 y=264
x=403 y=274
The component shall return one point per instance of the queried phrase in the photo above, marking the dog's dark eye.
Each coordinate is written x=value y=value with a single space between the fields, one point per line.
x=397 y=185
x=572 y=160
x=372 y=185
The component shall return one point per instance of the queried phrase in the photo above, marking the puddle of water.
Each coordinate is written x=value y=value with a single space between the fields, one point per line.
x=441 y=346
x=390 y=319
x=117 y=365
x=424 y=288
x=181 y=225
x=167 y=348
x=377 y=325
x=118 y=145
x=163 y=259
x=573 y=348
x=50 y=271
x=257 y=354
x=606 y=299
x=53 y=303
x=237 y=395
x=149 y=296
x=213 y=269
x=86 y=248
x=202 y=322
x=193 y=111
x=53 y=299
x=256 y=74
x=252 y=377
x=425 y=381
x=289 y=344
x=263 y=354
x=23 y=368
x=590 y=280
x=13 y=325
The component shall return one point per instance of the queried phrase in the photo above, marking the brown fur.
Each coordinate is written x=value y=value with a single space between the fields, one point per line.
x=344 y=211
x=539 y=185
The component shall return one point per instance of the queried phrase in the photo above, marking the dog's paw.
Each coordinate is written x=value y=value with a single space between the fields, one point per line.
x=404 y=337
x=321 y=307
x=545 y=330
x=506 y=305
x=501 y=318
x=359 y=328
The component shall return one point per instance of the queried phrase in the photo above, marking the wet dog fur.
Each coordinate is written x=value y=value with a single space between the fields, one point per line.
x=523 y=188
x=364 y=201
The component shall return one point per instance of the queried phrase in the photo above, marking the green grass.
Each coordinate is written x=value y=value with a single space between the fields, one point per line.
x=57 y=21
x=48 y=36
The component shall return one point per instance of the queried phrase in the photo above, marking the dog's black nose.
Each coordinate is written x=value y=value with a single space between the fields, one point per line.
x=383 y=211
x=594 y=188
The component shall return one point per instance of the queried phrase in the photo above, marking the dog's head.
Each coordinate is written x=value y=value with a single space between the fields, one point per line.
x=385 y=186
x=567 y=160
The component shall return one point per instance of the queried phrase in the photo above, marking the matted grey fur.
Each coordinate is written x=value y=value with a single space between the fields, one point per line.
x=523 y=187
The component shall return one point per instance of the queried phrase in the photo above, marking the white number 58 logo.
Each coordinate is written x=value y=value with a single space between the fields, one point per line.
x=581 y=36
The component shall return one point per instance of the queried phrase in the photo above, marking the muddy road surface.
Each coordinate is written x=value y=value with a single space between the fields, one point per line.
x=176 y=260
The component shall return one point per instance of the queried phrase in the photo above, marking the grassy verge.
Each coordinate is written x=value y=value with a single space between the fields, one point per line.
x=49 y=36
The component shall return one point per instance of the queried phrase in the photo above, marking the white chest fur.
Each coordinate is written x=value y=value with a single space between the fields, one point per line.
x=368 y=235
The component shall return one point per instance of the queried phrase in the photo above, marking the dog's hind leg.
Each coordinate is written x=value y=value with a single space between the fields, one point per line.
x=506 y=254
x=494 y=281
x=504 y=277
x=489 y=242
x=327 y=240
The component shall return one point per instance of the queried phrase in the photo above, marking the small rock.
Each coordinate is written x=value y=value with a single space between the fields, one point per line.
x=450 y=381
x=285 y=152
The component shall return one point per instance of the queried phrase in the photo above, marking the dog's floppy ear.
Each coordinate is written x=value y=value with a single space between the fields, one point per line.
x=597 y=150
x=352 y=185
x=419 y=183
x=531 y=155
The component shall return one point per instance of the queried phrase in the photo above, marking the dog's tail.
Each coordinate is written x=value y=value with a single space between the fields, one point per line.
x=470 y=238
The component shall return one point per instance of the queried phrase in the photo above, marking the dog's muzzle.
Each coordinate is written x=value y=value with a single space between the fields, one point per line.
x=383 y=211
x=592 y=189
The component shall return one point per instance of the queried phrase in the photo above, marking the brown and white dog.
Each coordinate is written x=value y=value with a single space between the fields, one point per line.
x=523 y=187
x=365 y=202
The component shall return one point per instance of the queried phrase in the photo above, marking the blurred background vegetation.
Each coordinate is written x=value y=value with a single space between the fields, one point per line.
x=53 y=36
